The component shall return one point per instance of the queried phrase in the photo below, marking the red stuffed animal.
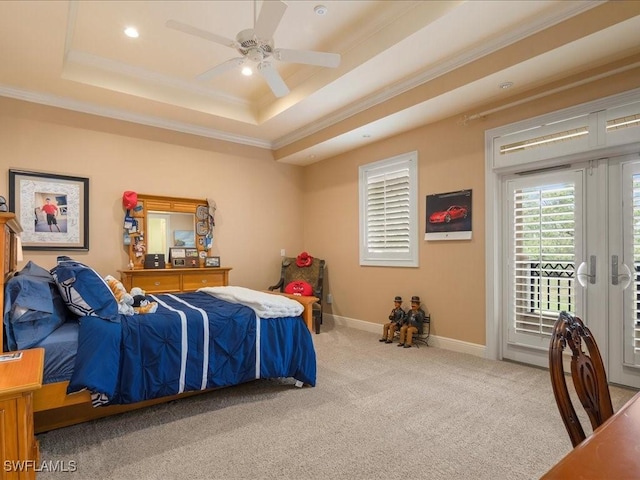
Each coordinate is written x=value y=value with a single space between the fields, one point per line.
x=298 y=287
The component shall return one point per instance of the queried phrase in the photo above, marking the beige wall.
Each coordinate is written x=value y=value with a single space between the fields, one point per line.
x=259 y=201
x=451 y=276
x=264 y=206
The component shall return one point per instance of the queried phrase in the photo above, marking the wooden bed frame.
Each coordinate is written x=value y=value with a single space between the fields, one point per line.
x=52 y=406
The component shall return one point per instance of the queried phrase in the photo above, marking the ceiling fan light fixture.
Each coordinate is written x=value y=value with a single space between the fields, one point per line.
x=252 y=47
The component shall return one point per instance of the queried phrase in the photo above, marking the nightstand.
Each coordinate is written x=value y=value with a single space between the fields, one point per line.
x=19 y=454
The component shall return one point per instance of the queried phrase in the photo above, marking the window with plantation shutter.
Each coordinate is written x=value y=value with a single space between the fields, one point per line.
x=388 y=212
x=544 y=255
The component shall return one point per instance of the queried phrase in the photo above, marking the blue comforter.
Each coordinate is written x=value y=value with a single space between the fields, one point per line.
x=194 y=341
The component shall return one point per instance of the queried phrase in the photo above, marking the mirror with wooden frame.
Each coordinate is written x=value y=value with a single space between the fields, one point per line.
x=165 y=223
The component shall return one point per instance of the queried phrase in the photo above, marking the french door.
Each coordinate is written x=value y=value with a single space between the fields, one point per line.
x=572 y=237
x=624 y=280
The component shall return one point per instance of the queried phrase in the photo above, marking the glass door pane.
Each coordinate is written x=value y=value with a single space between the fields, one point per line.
x=544 y=239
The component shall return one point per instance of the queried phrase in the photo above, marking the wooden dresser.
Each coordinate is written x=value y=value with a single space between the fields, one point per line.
x=18 y=445
x=171 y=280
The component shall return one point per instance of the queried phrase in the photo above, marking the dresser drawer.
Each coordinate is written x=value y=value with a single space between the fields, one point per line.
x=172 y=280
x=157 y=283
x=194 y=281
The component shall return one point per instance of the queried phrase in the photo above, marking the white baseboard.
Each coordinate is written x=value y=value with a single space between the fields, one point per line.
x=434 y=340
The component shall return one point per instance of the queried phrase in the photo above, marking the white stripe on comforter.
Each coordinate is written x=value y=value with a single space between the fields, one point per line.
x=266 y=305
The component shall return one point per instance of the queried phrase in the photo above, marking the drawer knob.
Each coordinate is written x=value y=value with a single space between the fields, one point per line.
x=156 y=283
x=204 y=280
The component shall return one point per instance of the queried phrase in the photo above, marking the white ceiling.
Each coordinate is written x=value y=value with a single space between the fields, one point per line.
x=450 y=55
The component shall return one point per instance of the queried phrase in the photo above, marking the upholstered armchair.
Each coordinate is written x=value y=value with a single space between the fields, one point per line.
x=313 y=274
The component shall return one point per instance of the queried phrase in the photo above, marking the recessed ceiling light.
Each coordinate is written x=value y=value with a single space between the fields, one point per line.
x=247 y=72
x=320 y=10
x=131 y=32
x=505 y=85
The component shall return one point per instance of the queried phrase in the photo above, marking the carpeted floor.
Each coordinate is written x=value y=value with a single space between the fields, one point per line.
x=377 y=412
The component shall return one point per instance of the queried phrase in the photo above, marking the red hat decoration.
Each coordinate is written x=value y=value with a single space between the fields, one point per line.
x=304 y=259
x=129 y=199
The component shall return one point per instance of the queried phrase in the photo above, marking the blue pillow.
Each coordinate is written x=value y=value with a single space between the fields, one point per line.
x=33 y=307
x=84 y=291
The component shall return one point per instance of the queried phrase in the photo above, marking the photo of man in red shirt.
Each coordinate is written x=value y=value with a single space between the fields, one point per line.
x=52 y=212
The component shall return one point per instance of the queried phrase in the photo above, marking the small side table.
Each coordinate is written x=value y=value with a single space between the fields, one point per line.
x=19 y=455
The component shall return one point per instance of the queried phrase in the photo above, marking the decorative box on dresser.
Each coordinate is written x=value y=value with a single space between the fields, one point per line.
x=18 y=445
x=170 y=280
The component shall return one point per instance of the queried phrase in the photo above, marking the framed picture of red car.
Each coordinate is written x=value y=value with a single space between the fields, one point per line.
x=448 y=216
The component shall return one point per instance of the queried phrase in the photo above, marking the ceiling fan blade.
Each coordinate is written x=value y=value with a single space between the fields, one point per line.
x=273 y=78
x=219 y=69
x=308 y=57
x=269 y=18
x=191 y=30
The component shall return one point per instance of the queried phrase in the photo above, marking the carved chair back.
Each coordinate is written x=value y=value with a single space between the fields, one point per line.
x=587 y=372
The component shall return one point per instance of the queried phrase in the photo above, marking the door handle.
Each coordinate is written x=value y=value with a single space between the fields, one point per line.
x=623 y=279
x=587 y=273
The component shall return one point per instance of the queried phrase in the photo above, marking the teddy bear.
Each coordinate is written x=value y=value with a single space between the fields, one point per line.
x=124 y=299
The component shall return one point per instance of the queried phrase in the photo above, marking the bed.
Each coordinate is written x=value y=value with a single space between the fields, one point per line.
x=99 y=361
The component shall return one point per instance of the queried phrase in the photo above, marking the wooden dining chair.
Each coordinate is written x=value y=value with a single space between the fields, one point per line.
x=587 y=372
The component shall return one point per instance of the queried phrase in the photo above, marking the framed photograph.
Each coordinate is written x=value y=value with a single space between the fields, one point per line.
x=193 y=262
x=449 y=216
x=184 y=238
x=191 y=252
x=212 y=262
x=177 y=253
x=52 y=209
x=179 y=262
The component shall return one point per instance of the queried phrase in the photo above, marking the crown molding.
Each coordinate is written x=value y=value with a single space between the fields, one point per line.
x=141 y=74
x=571 y=10
x=116 y=114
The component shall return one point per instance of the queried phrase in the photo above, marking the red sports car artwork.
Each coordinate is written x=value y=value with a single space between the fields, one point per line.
x=445 y=216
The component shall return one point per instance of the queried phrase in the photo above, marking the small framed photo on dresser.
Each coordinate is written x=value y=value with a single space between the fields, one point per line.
x=179 y=262
x=212 y=262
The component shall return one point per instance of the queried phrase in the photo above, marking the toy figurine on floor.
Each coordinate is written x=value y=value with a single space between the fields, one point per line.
x=413 y=323
x=395 y=321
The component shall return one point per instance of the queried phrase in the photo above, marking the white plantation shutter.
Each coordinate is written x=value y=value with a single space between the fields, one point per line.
x=630 y=249
x=635 y=284
x=388 y=212
x=543 y=237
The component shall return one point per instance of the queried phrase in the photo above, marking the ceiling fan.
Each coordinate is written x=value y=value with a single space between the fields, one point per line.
x=256 y=45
